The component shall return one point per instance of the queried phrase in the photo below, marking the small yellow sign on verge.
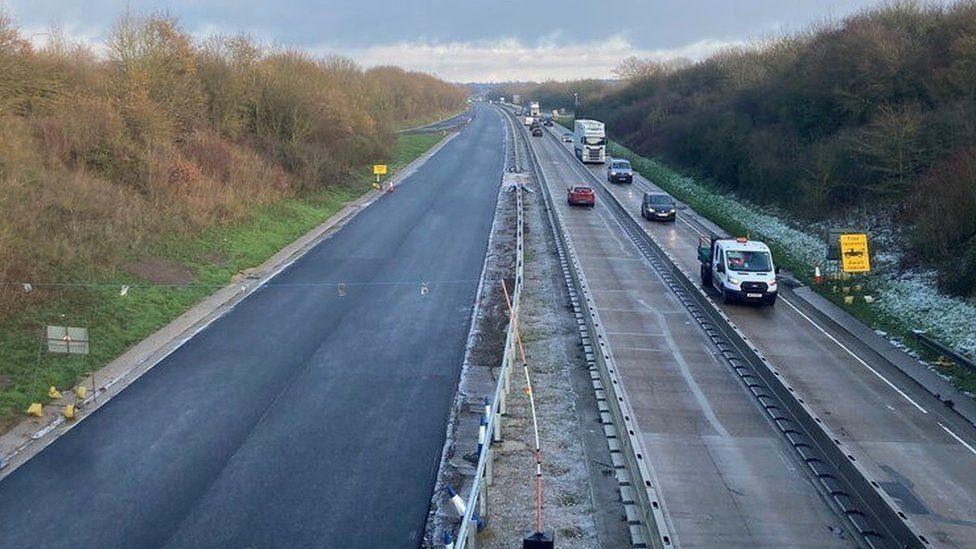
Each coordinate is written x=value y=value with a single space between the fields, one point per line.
x=854 y=253
x=379 y=169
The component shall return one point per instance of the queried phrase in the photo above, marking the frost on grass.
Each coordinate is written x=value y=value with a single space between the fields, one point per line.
x=908 y=299
x=912 y=296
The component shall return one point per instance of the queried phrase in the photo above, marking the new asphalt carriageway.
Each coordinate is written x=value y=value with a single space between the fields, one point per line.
x=307 y=415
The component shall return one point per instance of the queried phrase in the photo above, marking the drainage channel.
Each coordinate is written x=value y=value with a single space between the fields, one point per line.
x=648 y=527
x=853 y=494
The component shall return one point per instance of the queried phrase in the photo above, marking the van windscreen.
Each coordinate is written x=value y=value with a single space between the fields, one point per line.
x=743 y=261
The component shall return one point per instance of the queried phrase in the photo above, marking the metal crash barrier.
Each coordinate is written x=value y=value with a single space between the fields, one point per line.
x=475 y=507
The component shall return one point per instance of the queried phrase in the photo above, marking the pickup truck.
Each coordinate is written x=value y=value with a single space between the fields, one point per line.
x=739 y=269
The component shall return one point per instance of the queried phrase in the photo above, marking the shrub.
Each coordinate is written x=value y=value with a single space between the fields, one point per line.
x=869 y=113
x=102 y=160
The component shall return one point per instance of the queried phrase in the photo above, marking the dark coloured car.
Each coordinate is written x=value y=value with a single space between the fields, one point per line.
x=618 y=171
x=581 y=195
x=536 y=131
x=548 y=122
x=658 y=207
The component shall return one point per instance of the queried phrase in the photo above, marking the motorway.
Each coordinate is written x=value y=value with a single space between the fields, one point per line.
x=302 y=417
x=920 y=452
x=723 y=475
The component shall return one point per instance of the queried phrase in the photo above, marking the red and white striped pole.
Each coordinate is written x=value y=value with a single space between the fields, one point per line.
x=537 y=539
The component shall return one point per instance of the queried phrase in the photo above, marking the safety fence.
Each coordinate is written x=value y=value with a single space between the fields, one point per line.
x=474 y=509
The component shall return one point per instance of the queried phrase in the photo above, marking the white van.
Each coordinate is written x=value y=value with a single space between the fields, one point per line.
x=740 y=269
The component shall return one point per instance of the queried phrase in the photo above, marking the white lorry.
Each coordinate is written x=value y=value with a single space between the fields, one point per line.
x=534 y=109
x=590 y=141
x=738 y=268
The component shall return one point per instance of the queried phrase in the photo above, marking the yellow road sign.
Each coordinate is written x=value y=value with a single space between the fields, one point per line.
x=379 y=169
x=854 y=253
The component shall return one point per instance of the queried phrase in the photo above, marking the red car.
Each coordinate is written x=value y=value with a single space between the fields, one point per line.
x=581 y=195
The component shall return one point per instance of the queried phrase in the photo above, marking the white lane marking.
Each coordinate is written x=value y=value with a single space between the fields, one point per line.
x=842 y=346
x=955 y=436
x=839 y=344
x=857 y=358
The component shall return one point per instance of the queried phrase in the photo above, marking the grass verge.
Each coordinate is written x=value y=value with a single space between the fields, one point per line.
x=117 y=322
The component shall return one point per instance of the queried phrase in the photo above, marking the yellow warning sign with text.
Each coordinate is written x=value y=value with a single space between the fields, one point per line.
x=379 y=169
x=854 y=253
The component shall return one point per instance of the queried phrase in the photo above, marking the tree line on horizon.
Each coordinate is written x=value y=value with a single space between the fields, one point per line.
x=874 y=114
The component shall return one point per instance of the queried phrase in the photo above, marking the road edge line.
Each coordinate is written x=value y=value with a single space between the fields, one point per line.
x=157 y=346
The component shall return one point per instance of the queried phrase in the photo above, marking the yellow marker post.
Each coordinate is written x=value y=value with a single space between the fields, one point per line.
x=854 y=253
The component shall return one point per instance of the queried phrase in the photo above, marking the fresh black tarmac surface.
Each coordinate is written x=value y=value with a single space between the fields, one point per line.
x=300 y=418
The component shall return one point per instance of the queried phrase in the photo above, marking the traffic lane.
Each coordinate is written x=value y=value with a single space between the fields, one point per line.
x=783 y=336
x=128 y=474
x=681 y=241
x=784 y=329
x=375 y=381
x=359 y=469
x=723 y=475
x=903 y=445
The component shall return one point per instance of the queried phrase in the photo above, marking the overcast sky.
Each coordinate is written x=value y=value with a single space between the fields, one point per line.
x=486 y=40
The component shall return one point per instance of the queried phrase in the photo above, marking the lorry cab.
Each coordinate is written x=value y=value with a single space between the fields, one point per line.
x=739 y=269
x=590 y=141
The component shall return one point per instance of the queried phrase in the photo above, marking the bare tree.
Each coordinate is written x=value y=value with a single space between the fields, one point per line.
x=635 y=68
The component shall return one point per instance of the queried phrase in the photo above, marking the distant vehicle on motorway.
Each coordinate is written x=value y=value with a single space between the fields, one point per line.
x=567 y=138
x=534 y=109
x=658 y=206
x=536 y=131
x=590 y=141
x=581 y=195
x=548 y=122
x=740 y=269
x=618 y=171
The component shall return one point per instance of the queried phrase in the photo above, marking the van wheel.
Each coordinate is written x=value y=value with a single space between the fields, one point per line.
x=726 y=298
x=706 y=277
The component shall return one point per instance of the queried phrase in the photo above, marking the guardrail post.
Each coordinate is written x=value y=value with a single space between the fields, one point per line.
x=482 y=500
x=508 y=371
x=496 y=422
x=496 y=430
x=472 y=537
x=489 y=474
